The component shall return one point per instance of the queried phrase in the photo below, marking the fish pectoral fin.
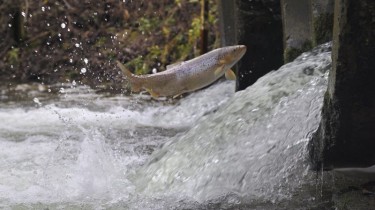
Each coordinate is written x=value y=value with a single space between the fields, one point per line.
x=230 y=75
x=153 y=93
x=176 y=96
x=219 y=70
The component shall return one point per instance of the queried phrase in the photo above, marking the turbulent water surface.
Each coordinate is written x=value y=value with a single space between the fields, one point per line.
x=212 y=149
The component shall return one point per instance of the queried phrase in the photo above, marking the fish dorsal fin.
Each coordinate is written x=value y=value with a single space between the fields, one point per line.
x=173 y=65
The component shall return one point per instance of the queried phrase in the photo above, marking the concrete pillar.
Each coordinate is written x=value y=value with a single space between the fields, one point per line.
x=297 y=27
x=256 y=24
x=322 y=20
x=228 y=22
x=346 y=135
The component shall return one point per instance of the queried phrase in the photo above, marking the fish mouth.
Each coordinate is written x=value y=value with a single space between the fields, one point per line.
x=234 y=54
x=242 y=47
x=241 y=50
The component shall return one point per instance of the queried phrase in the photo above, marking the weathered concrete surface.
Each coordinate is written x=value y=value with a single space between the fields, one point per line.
x=256 y=24
x=322 y=21
x=351 y=189
x=296 y=15
x=228 y=23
x=203 y=45
x=346 y=135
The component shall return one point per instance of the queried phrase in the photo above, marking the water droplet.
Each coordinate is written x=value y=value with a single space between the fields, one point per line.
x=154 y=71
x=36 y=100
x=63 y=25
x=83 y=70
x=10 y=25
x=77 y=45
x=74 y=83
x=62 y=90
x=43 y=9
x=23 y=14
x=71 y=60
x=85 y=60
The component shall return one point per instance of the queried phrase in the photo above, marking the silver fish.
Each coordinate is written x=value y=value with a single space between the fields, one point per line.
x=188 y=75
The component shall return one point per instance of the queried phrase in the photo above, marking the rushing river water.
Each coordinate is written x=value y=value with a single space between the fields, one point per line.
x=212 y=149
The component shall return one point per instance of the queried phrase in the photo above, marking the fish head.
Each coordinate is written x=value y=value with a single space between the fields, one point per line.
x=230 y=55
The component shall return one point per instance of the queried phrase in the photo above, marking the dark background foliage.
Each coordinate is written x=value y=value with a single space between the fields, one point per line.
x=60 y=41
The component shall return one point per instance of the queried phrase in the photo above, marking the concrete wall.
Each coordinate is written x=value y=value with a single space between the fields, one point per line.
x=275 y=32
x=297 y=27
x=346 y=135
x=322 y=21
x=306 y=23
x=228 y=22
x=256 y=24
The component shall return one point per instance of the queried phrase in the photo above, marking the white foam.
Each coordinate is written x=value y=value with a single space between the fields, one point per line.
x=81 y=147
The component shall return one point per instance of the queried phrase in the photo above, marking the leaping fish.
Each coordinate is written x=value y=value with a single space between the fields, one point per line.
x=188 y=75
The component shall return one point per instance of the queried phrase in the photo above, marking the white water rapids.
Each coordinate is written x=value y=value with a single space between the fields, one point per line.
x=87 y=150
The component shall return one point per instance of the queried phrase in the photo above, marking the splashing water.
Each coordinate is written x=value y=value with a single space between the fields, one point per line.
x=85 y=149
x=254 y=146
x=80 y=148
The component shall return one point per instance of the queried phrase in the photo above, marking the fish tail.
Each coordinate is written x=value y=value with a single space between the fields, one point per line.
x=135 y=81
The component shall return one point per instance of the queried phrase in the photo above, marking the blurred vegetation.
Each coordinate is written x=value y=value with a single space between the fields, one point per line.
x=51 y=41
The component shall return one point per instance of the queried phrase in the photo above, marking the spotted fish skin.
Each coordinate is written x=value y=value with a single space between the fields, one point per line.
x=188 y=75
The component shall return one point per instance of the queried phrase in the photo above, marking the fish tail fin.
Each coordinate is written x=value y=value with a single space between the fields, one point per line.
x=135 y=81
